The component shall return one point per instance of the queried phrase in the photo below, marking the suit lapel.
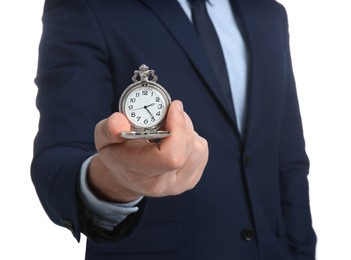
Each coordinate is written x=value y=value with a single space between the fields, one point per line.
x=249 y=15
x=184 y=33
x=265 y=37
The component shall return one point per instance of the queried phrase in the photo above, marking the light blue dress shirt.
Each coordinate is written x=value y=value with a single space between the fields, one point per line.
x=107 y=215
x=234 y=50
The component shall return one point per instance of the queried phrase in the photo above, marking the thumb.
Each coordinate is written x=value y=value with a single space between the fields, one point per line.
x=108 y=131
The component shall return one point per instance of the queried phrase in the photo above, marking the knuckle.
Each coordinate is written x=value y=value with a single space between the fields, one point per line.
x=130 y=177
x=176 y=161
x=202 y=147
x=157 y=190
x=195 y=179
x=202 y=143
x=192 y=186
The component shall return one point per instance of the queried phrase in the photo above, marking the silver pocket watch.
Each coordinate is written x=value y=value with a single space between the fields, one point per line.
x=145 y=104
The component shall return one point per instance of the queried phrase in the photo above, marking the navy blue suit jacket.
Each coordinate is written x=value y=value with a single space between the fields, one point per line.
x=252 y=201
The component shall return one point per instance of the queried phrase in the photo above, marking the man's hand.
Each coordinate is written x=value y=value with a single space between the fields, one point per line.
x=124 y=170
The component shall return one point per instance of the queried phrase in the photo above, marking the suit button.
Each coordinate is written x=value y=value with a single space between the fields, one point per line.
x=248 y=233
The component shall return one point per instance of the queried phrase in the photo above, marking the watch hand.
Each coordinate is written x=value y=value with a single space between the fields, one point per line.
x=146 y=107
x=149 y=105
x=143 y=107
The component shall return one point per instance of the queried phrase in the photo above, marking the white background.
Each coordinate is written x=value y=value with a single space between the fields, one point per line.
x=320 y=44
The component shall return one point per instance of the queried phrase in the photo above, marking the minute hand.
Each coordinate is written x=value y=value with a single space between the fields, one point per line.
x=146 y=107
x=149 y=105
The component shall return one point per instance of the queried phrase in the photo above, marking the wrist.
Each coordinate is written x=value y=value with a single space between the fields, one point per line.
x=104 y=184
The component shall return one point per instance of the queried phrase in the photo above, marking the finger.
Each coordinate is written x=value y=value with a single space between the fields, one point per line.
x=171 y=153
x=177 y=147
x=108 y=131
x=177 y=182
x=191 y=173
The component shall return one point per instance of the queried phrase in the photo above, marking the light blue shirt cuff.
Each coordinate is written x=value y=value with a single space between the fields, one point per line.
x=105 y=215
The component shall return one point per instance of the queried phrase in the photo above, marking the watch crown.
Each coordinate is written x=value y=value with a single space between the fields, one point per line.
x=143 y=68
x=144 y=74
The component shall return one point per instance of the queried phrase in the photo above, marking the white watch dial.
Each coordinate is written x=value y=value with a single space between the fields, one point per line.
x=145 y=104
x=145 y=107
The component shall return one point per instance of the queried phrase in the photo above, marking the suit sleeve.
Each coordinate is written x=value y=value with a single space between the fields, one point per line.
x=294 y=169
x=75 y=91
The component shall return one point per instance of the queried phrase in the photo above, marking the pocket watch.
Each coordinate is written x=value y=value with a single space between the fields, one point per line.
x=145 y=104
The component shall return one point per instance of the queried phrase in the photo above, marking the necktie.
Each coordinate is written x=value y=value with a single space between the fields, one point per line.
x=209 y=38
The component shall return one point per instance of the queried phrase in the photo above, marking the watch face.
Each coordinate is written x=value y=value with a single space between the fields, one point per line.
x=145 y=105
